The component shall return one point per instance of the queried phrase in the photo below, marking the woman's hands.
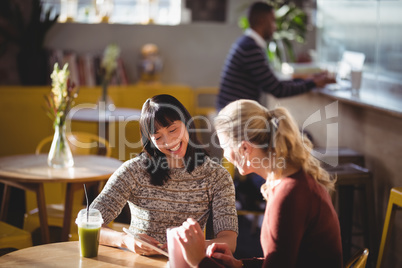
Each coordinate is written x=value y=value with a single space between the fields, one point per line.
x=322 y=79
x=222 y=252
x=192 y=241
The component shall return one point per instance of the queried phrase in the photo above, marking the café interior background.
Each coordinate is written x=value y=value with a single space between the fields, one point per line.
x=193 y=53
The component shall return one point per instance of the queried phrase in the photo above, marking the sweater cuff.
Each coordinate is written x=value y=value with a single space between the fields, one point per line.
x=209 y=262
x=253 y=262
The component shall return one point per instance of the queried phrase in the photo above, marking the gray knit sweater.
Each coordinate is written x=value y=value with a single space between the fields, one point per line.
x=155 y=208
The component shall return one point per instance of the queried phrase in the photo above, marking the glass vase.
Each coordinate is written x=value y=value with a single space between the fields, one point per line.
x=60 y=155
x=105 y=102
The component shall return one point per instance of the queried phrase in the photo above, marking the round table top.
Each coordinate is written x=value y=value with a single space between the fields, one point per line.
x=34 y=168
x=94 y=114
x=67 y=254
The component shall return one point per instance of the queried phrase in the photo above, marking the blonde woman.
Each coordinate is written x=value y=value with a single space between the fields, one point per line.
x=300 y=227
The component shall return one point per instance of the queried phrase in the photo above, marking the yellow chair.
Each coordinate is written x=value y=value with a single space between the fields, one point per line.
x=229 y=167
x=205 y=99
x=81 y=143
x=204 y=111
x=12 y=237
x=359 y=260
x=395 y=201
x=351 y=177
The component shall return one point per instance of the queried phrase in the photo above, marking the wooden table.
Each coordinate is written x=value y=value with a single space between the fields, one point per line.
x=67 y=254
x=92 y=113
x=30 y=172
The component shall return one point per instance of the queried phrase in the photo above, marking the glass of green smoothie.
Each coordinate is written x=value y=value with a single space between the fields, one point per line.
x=89 y=223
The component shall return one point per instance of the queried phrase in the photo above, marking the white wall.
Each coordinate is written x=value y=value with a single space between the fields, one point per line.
x=193 y=54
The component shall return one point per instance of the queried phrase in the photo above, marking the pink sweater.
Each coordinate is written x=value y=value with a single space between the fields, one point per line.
x=300 y=227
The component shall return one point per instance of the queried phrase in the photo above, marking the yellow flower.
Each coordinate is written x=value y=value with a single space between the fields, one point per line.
x=109 y=61
x=59 y=83
x=61 y=98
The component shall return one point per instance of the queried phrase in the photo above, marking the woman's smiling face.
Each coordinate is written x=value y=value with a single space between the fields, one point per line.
x=172 y=140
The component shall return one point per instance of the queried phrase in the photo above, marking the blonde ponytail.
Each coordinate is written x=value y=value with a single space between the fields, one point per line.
x=296 y=149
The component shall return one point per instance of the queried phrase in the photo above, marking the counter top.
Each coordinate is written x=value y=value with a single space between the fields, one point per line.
x=377 y=92
x=388 y=100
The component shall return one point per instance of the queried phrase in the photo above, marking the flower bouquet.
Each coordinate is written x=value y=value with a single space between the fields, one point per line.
x=108 y=69
x=59 y=102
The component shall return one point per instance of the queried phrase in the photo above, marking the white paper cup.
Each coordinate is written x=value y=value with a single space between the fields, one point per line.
x=356 y=81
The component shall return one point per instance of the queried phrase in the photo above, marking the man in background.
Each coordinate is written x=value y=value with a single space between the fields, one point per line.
x=247 y=72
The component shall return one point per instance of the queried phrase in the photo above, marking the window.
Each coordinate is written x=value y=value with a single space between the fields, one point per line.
x=370 y=27
x=166 y=12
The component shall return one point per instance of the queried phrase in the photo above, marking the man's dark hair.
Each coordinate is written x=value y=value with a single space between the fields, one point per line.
x=256 y=11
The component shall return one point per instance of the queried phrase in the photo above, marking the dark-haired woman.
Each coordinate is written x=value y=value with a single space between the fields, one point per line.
x=171 y=180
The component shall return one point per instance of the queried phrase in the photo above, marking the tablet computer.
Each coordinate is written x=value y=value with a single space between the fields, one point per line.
x=146 y=243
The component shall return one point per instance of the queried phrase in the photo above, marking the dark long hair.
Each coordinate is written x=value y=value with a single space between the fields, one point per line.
x=161 y=111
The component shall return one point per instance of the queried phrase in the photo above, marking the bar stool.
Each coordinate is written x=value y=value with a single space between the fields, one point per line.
x=352 y=177
x=339 y=155
x=395 y=201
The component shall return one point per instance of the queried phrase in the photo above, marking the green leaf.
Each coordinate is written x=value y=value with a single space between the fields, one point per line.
x=282 y=11
x=243 y=23
x=289 y=48
x=291 y=22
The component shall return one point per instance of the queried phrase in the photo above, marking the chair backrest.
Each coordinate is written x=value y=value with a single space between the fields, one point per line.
x=394 y=203
x=205 y=100
x=359 y=260
x=229 y=167
x=204 y=112
x=81 y=143
x=12 y=237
